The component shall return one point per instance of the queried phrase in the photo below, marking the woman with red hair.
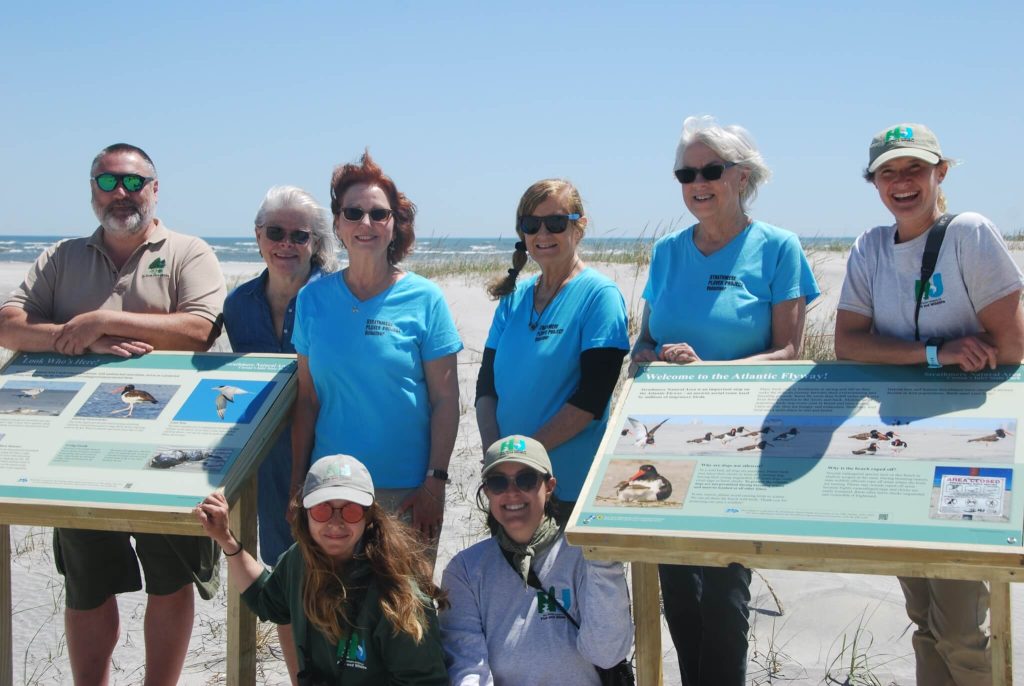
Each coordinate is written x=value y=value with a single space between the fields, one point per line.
x=376 y=351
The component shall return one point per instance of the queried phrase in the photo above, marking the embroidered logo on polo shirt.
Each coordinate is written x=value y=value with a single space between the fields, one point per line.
x=156 y=267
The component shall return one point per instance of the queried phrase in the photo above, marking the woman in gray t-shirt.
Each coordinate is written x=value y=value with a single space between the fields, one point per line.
x=970 y=316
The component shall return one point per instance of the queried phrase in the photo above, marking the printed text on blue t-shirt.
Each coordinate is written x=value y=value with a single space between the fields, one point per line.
x=719 y=282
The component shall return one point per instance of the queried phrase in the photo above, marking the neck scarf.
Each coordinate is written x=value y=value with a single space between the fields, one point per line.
x=523 y=553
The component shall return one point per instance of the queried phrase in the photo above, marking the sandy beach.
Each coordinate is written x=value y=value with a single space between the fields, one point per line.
x=801 y=621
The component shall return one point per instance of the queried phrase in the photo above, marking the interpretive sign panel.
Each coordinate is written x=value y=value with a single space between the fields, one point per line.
x=894 y=456
x=87 y=438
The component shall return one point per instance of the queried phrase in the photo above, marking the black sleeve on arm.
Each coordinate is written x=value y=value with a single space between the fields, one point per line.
x=485 y=379
x=599 y=372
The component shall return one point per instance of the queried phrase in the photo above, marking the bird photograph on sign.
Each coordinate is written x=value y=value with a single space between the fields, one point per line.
x=224 y=401
x=127 y=401
x=638 y=483
x=37 y=397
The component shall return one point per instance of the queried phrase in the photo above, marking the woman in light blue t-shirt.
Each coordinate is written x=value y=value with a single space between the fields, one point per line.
x=556 y=343
x=726 y=288
x=376 y=351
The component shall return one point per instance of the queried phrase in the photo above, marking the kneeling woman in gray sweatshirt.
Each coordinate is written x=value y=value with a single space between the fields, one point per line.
x=499 y=628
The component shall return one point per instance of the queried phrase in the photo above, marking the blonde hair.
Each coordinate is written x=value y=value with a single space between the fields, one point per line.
x=401 y=573
x=536 y=194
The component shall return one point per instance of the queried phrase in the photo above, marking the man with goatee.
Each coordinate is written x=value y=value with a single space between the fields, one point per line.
x=131 y=287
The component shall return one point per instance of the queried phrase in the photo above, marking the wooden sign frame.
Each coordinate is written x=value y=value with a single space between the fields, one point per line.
x=941 y=417
x=78 y=450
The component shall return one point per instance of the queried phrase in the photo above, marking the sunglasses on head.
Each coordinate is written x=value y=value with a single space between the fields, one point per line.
x=525 y=481
x=355 y=214
x=352 y=513
x=297 y=236
x=133 y=183
x=710 y=172
x=556 y=223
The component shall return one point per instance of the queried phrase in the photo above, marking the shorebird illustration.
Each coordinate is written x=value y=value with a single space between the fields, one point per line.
x=870 y=450
x=760 y=445
x=874 y=434
x=130 y=396
x=30 y=392
x=644 y=486
x=730 y=434
x=644 y=436
x=999 y=435
x=787 y=435
x=703 y=439
x=897 y=444
x=226 y=395
x=760 y=432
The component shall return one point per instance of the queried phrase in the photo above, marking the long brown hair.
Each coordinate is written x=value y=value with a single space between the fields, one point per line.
x=531 y=200
x=396 y=557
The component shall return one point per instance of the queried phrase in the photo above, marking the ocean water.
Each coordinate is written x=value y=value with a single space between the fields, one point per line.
x=426 y=249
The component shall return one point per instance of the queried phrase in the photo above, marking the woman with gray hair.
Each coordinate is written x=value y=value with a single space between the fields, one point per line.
x=726 y=288
x=295 y=240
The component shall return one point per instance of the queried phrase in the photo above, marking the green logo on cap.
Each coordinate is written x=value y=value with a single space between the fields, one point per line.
x=336 y=469
x=899 y=133
x=513 y=446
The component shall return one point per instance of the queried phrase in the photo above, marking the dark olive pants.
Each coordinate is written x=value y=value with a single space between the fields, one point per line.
x=708 y=613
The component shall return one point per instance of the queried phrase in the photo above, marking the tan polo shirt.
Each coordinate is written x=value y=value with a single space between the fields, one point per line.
x=168 y=273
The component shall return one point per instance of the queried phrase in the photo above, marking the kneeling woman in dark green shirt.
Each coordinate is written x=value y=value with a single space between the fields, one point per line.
x=358 y=595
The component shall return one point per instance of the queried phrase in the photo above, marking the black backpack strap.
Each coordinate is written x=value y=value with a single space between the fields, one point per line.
x=928 y=261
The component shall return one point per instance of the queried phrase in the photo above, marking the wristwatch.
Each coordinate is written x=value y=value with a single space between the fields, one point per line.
x=438 y=474
x=931 y=352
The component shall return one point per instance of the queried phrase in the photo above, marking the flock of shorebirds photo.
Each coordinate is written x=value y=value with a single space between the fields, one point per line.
x=743 y=438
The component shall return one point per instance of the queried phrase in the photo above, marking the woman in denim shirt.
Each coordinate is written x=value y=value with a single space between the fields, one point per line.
x=296 y=243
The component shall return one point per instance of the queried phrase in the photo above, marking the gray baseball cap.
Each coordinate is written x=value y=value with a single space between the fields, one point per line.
x=519 y=449
x=904 y=140
x=337 y=477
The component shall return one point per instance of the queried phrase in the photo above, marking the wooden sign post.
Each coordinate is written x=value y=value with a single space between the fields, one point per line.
x=830 y=467
x=99 y=442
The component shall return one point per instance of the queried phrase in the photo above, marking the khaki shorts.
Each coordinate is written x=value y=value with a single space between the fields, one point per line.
x=99 y=564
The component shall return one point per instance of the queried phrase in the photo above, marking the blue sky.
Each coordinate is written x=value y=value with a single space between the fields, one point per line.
x=467 y=103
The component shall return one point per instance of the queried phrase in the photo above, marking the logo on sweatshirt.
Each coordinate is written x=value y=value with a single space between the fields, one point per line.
x=355 y=656
x=546 y=605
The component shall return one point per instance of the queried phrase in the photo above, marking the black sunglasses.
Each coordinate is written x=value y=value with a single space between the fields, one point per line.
x=277 y=234
x=525 y=481
x=355 y=214
x=133 y=183
x=556 y=223
x=710 y=172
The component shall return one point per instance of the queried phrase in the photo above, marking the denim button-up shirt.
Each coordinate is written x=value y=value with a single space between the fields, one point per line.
x=248 y=322
x=250 y=329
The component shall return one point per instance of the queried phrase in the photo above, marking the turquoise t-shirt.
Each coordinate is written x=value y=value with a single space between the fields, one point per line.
x=721 y=304
x=366 y=359
x=537 y=370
